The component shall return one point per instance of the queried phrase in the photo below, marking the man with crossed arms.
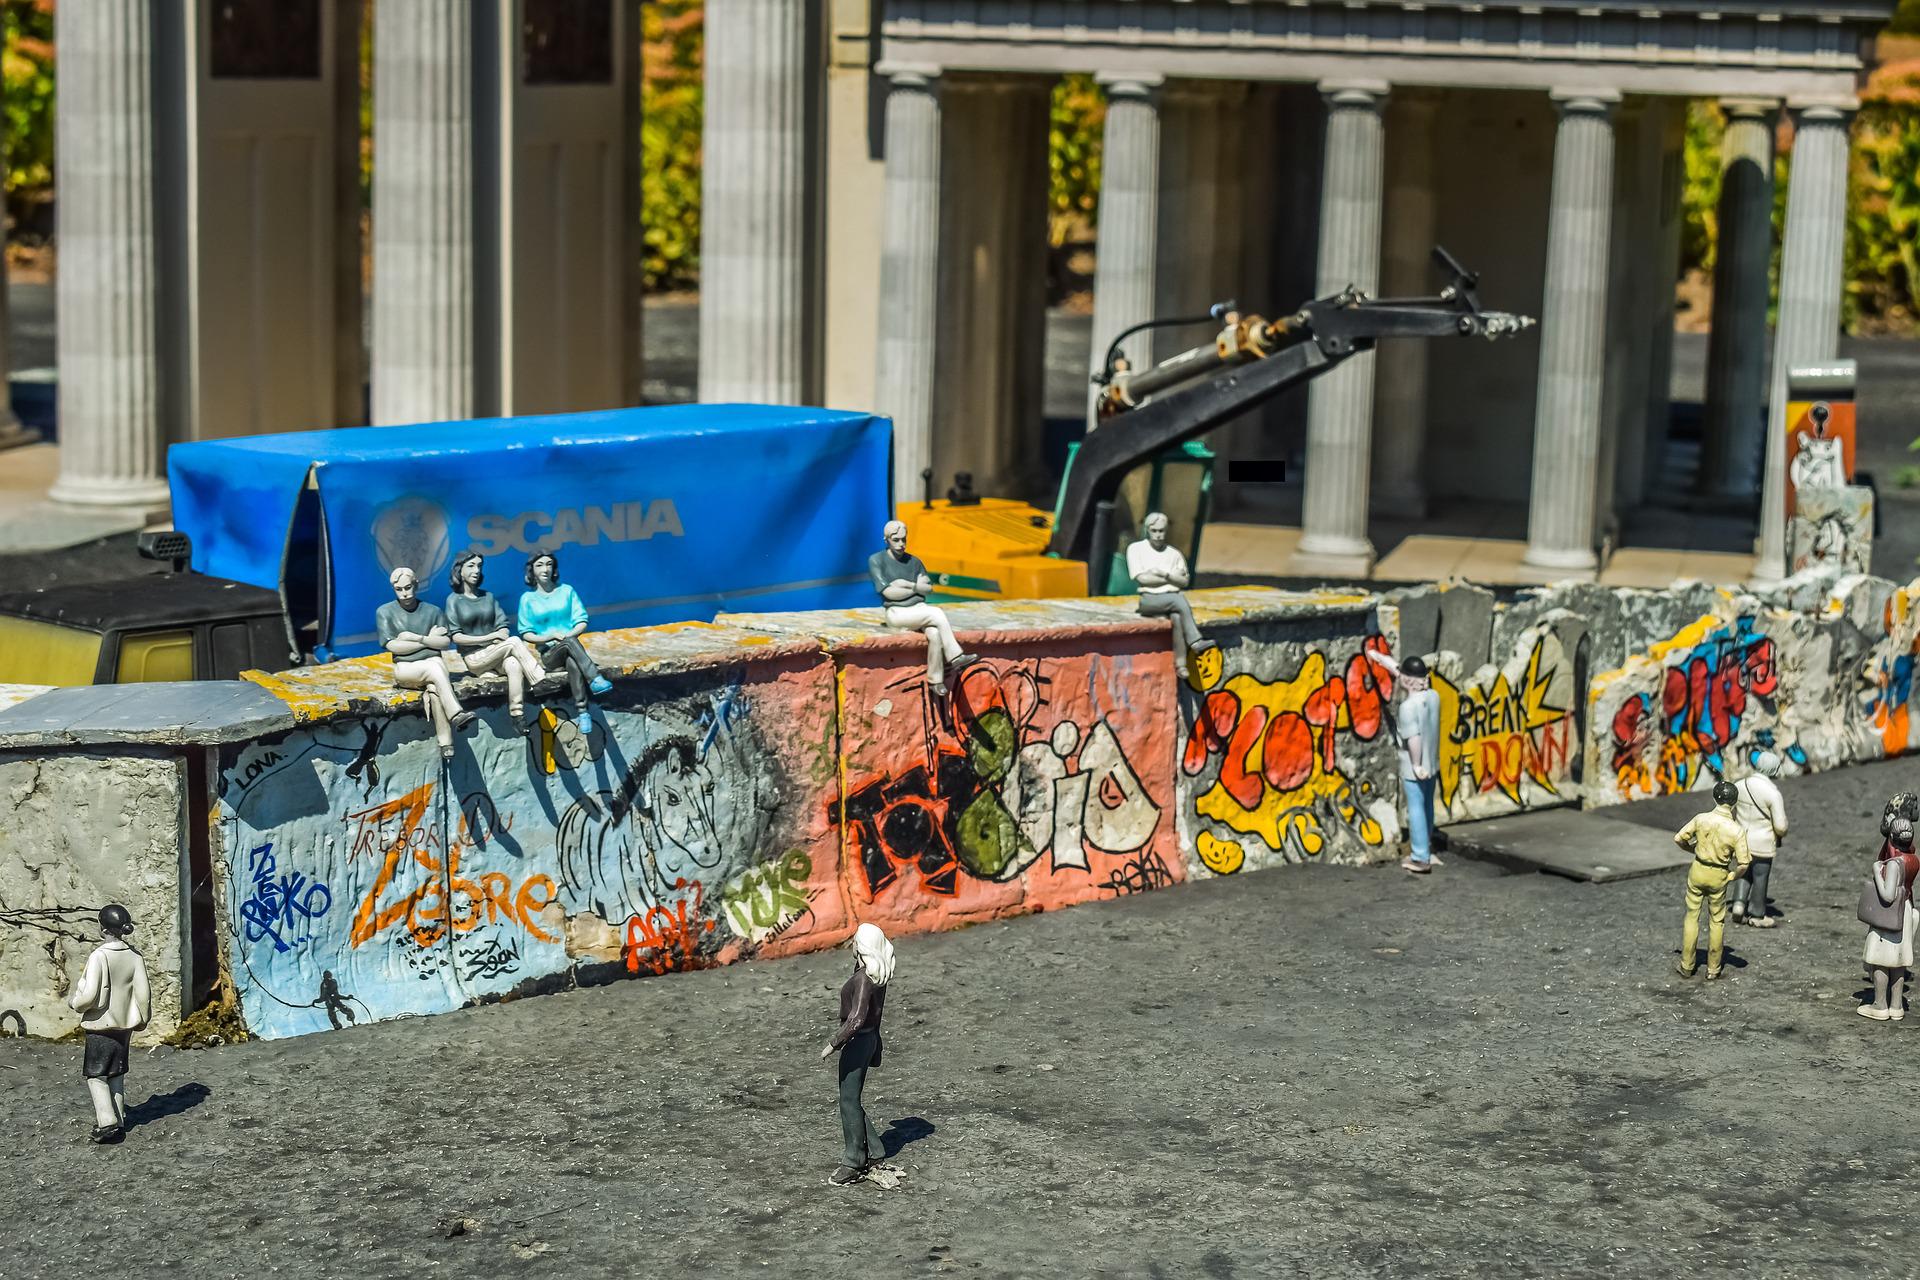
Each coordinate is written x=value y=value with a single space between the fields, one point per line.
x=903 y=585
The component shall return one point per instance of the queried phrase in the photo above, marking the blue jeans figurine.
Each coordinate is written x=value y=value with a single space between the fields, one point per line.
x=1420 y=818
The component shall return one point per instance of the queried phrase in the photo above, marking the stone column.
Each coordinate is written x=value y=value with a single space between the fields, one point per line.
x=753 y=203
x=1811 y=269
x=1333 y=536
x=1128 y=242
x=1573 y=326
x=1400 y=438
x=111 y=431
x=423 y=194
x=910 y=270
x=1737 y=346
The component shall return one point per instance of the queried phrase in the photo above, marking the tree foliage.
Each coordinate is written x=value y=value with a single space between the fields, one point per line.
x=1073 y=156
x=26 y=64
x=671 y=112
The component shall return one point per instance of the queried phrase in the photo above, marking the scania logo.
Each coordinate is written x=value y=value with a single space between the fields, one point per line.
x=532 y=531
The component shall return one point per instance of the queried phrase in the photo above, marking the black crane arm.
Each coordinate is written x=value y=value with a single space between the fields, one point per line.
x=1244 y=374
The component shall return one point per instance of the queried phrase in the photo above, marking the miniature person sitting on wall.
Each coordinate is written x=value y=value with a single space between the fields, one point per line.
x=1886 y=908
x=483 y=634
x=1719 y=846
x=1160 y=571
x=552 y=619
x=902 y=583
x=416 y=634
x=1764 y=815
x=113 y=1003
x=863 y=998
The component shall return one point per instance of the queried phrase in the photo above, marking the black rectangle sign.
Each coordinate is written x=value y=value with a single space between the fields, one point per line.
x=1256 y=470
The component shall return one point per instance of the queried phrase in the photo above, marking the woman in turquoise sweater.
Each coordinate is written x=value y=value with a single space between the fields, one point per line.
x=551 y=620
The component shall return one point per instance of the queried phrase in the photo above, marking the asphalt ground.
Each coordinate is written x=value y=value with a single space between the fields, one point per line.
x=1317 y=1071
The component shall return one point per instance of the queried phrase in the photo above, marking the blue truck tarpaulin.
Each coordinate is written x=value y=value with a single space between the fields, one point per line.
x=656 y=515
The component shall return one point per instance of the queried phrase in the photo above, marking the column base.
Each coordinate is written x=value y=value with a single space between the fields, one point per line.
x=1338 y=561
x=1542 y=564
x=150 y=497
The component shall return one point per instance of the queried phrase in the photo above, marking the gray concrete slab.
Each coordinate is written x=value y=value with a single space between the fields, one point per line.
x=1585 y=846
x=175 y=713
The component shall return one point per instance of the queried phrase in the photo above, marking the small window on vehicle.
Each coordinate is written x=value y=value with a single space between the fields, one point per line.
x=232 y=649
x=155 y=655
x=33 y=652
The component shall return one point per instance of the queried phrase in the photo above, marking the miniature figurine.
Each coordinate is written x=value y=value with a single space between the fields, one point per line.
x=862 y=1000
x=1764 y=815
x=113 y=1003
x=1160 y=572
x=1886 y=908
x=416 y=634
x=902 y=583
x=552 y=619
x=1902 y=804
x=1719 y=846
x=484 y=636
x=1417 y=737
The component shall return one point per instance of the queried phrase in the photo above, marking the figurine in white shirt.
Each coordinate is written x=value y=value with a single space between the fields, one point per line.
x=113 y=1003
x=1764 y=815
x=1160 y=572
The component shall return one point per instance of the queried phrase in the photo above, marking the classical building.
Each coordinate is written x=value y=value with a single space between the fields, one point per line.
x=1269 y=149
x=875 y=179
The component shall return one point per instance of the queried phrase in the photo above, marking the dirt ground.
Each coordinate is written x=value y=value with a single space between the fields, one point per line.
x=1316 y=1071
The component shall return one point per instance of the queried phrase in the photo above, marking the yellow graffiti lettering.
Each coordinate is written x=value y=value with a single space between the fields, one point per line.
x=1222 y=857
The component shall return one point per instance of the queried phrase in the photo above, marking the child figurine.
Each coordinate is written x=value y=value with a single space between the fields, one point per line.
x=1719 y=847
x=862 y=999
x=551 y=619
x=903 y=586
x=113 y=1003
x=416 y=634
x=1160 y=572
x=483 y=634
x=1886 y=908
x=1764 y=816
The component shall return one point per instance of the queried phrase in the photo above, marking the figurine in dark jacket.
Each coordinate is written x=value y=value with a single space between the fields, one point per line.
x=858 y=1042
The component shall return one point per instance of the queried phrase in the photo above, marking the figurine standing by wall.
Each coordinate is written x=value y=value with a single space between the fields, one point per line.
x=1764 y=816
x=862 y=1000
x=1719 y=846
x=1886 y=908
x=483 y=634
x=552 y=619
x=113 y=1003
x=416 y=634
x=1160 y=572
x=1416 y=732
x=903 y=586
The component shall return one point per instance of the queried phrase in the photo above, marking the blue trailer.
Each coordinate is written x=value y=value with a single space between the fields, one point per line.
x=656 y=515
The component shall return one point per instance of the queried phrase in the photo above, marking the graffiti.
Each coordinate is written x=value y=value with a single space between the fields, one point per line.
x=19 y=1023
x=621 y=852
x=1279 y=778
x=1888 y=684
x=997 y=791
x=492 y=959
x=365 y=767
x=335 y=1003
x=1705 y=698
x=1497 y=737
x=443 y=899
x=257 y=767
x=1222 y=857
x=1141 y=873
x=557 y=743
x=765 y=900
x=280 y=902
x=668 y=941
x=70 y=923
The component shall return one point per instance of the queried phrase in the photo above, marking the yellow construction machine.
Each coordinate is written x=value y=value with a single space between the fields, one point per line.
x=1147 y=428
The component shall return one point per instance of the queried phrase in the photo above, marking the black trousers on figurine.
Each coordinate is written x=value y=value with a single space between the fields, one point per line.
x=571 y=654
x=1750 y=890
x=863 y=1145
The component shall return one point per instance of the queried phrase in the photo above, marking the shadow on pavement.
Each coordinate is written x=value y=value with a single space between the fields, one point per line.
x=162 y=1105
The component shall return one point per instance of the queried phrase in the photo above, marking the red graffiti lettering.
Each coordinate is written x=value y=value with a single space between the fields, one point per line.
x=1286 y=761
x=668 y=941
x=1243 y=786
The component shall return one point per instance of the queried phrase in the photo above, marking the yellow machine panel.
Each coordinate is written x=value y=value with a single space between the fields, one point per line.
x=35 y=652
x=993 y=549
x=155 y=655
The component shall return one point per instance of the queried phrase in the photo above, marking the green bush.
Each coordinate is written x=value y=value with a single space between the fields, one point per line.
x=1073 y=157
x=670 y=143
x=26 y=61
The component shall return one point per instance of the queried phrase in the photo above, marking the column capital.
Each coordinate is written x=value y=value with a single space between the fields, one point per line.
x=1750 y=108
x=1367 y=94
x=1599 y=102
x=1832 y=109
x=1130 y=84
x=908 y=75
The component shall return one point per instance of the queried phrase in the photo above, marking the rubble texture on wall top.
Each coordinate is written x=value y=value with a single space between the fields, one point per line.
x=760 y=785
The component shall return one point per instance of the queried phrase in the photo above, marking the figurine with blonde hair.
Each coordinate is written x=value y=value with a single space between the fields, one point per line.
x=417 y=635
x=862 y=999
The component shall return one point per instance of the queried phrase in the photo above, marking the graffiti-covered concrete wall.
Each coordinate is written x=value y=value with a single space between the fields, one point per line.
x=79 y=830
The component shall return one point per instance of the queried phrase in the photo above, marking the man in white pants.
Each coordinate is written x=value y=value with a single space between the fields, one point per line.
x=416 y=634
x=1764 y=815
x=902 y=583
x=1160 y=573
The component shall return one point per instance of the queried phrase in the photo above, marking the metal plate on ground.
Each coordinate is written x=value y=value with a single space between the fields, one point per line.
x=1585 y=846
